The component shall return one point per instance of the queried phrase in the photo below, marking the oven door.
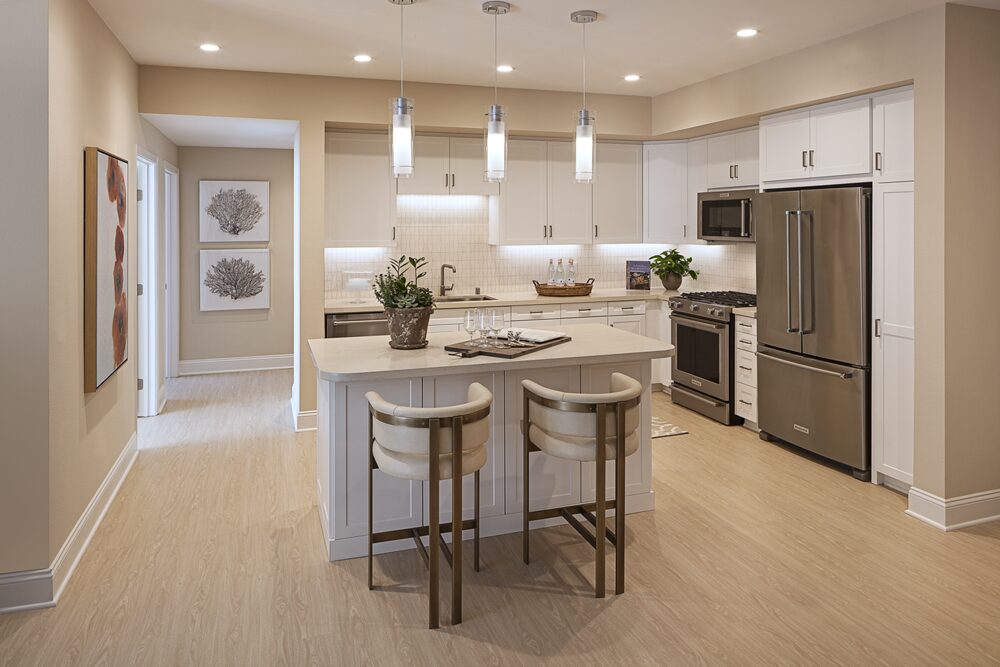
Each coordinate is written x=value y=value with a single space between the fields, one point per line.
x=701 y=355
x=725 y=217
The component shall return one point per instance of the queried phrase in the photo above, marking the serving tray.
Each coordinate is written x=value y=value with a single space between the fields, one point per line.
x=468 y=350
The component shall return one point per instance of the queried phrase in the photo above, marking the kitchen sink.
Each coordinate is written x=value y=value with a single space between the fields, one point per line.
x=464 y=297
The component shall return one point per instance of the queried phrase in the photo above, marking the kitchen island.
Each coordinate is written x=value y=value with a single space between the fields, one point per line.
x=347 y=368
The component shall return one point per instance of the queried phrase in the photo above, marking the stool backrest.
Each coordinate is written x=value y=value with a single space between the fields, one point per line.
x=572 y=413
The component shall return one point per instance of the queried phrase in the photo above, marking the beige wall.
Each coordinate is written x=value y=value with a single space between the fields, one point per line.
x=972 y=200
x=236 y=333
x=24 y=451
x=92 y=102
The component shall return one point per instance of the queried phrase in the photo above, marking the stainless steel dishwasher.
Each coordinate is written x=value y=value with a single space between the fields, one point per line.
x=348 y=325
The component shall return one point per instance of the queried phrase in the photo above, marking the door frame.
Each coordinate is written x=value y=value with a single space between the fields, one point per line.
x=146 y=267
x=171 y=226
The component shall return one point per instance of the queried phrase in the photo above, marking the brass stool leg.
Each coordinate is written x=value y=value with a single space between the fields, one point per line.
x=371 y=440
x=602 y=425
x=434 y=533
x=620 y=501
x=526 y=509
x=476 y=533
x=456 y=521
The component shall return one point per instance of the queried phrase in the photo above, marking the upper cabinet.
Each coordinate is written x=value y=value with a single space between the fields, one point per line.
x=697 y=182
x=830 y=141
x=665 y=193
x=570 y=204
x=618 y=193
x=732 y=160
x=519 y=216
x=360 y=191
x=892 y=124
x=447 y=165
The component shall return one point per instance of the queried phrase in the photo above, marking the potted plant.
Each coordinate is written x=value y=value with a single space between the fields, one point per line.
x=671 y=266
x=408 y=306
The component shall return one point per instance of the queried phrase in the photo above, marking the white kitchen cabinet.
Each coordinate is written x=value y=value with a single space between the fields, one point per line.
x=893 y=332
x=632 y=323
x=732 y=160
x=570 y=204
x=665 y=193
x=745 y=368
x=444 y=327
x=697 y=173
x=657 y=326
x=522 y=218
x=360 y=191
x=617 y=194
x=447 y=165
x=784 y=147
x=568 y=322
x=468 y=167
x=892 y=136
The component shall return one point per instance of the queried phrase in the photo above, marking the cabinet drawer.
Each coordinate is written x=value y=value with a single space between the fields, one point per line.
x=548 y=311
x=747 y=342
x=746 y=368
x=626 y=307
x=746 y=325
x=597 y=309
x=746 y=402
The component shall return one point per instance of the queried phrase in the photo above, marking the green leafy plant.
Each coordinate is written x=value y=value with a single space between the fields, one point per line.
x=672 y=262
x=394 y=289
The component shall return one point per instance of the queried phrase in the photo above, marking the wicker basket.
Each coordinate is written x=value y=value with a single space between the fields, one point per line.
x=581 y=289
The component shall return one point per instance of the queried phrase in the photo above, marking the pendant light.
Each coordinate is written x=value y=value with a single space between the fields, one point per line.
x=586 y=137
x=401 y=127
x=496 y=116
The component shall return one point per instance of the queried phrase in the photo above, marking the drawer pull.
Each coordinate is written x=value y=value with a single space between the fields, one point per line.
x=745 y=403
x=536 y=312
x=744 y=324
x=745 y=341
x=746 y=368
x=628 y=307
x=584 y=310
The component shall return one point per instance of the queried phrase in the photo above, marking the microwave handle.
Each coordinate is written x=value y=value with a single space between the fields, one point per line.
x=746 y=218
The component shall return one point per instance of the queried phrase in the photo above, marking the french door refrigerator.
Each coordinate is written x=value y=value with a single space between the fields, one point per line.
x=813 y=307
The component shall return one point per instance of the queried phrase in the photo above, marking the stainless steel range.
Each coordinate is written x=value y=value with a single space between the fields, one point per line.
x=702 y=328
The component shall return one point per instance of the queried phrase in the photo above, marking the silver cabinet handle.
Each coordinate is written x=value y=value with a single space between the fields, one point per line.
x=446 y=180
x=535 y=312
x=550 y=231
x=744 y=402
x=595 y=231
x=788 y=271
x=736 y=171
x=545 y=231
x=878 y=161
x=805 y=158
x=745 y=325
x=747 y=368
x=628 y=307
x=878 y=328
x=843 y=376
x=685 y=231
x=584 y=310
x=394 y=233
x=730 y=171
x=745 y=341
x=453 y=180
x=811 y=153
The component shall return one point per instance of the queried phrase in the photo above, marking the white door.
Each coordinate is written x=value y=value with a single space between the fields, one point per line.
x=697 y=177
x=893 y=329
x=746 y=171
x=841 y=139
x=524 y=194
x=664 y=190
x=721 y=153
x=147 y=287
x=468 y=167
x=554 y=482
x=359 y=187
x=618 y=194
x=453 y=390
x=632 y=323
x=431 y=172
x=893 y=136
x=571 y=204
x=784 y=147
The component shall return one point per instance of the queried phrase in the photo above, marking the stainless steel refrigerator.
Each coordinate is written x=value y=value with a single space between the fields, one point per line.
x=813 y=307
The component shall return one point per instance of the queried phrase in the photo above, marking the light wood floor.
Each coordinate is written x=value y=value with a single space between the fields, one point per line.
x=212 y=555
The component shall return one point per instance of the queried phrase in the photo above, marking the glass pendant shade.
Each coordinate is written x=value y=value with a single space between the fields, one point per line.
x=401 y=136
x=586 y=146
x=496 y=144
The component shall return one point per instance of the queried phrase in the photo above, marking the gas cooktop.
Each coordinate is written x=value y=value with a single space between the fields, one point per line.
x=733 y=299
x=711 y=305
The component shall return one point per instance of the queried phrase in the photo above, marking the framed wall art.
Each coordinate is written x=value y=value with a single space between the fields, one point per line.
x=236 y=279
x=233 y=211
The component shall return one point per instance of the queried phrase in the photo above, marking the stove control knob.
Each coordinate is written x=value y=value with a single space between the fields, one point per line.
x=694 y=307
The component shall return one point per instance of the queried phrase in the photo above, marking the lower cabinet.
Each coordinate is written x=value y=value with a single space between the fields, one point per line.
x=632 y=323
x=745 y=368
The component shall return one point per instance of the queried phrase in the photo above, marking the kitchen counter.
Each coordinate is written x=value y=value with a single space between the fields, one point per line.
x=746 y=312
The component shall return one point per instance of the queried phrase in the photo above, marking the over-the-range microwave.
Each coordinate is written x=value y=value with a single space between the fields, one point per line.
x=726 y=216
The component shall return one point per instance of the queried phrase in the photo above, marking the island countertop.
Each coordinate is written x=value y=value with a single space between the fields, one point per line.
x=371 y=358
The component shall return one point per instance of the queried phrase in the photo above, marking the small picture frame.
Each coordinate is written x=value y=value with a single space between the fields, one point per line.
x=637 y=275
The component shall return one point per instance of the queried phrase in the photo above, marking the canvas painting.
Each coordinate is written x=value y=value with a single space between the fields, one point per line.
x=105 y=316
x=233 y=211
x=235 y=279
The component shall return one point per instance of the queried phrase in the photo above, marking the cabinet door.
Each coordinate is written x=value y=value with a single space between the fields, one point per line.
x=568 y=322
x=632 y=323
x=524 y=194
x=746 y=172
x=841 y=142
x=554 y=482
x=721 y=152
x=784 y=146
x=359 y=186
x=893 y=331
x=697 y=183
x=893 y=137
x=665 y=185
x=618 y=194
x=431 y=175
x=453 y=390
x=468 y=168
x=443 y=327
x=638 y=467
x=571 y=204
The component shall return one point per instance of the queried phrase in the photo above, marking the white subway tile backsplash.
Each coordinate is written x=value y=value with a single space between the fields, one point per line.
x=454 y=230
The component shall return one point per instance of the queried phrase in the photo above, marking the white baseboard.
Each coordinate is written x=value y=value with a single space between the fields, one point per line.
x=20 y=591
x=304 y=420
x=954 y=513
x=235 y=364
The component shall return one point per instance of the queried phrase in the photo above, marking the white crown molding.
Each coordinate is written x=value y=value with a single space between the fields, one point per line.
x=954 y=513
x=235 y=364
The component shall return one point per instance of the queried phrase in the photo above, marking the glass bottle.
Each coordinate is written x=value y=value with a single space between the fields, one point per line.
x=571 y=273
x=560 y=273
x=551 y=278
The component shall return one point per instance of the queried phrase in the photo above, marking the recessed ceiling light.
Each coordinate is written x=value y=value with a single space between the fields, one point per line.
x=208 y=47
x=362 y=58
x=746 y=32
x=632 y=77
x=505 y=69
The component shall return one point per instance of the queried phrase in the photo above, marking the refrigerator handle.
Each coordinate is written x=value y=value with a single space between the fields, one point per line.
x=802 y=301
x=843 y=376
x=788 y=272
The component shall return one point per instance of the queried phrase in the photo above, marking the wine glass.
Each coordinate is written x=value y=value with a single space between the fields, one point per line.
x=496 y=324
x=483 y=325
x=471 y=324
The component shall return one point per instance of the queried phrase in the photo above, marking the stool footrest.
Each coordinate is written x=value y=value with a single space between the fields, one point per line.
x=580 y=528
x=445 y=550
x=423 y=531
x=568 y=513
x=536 y=515
x=420 y=546
x=593 y=521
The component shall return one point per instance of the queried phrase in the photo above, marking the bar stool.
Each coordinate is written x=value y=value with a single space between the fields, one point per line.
x=403 y=442
x=564 y=425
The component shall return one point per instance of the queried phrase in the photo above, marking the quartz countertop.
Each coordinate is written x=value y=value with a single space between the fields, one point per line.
x=371 y=358
x=746 y=312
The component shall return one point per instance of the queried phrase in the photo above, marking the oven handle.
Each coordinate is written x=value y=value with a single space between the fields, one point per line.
x=343 y=323
x=697 y=324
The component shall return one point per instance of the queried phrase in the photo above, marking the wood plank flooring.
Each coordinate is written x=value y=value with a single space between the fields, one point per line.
x=212 y=554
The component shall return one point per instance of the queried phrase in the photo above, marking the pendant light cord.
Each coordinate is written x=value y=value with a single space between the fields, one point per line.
x=584 y=65
x=400 y=50
x=496 y=72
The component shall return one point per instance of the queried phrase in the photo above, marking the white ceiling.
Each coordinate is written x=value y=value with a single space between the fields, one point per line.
x=220 y=132
x=671 y=43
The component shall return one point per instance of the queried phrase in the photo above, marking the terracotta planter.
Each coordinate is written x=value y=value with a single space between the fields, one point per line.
x=408 y=327
x=671 y=282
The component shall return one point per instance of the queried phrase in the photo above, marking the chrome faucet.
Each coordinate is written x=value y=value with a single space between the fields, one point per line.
x=442 y=289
